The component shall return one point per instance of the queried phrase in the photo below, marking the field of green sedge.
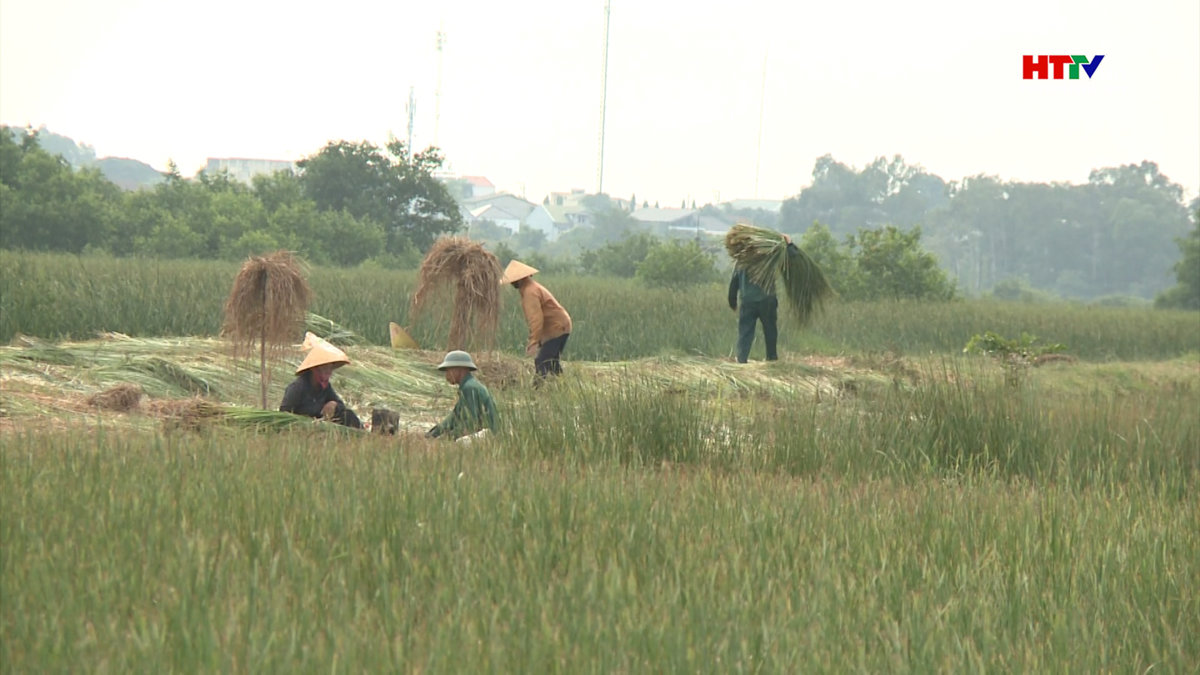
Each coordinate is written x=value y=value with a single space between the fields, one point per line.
x=876 y=501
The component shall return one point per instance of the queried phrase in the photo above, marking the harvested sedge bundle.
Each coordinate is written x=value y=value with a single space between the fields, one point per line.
x=267 y=304
x=121 y=398
x=330 y=331
x=474 y=273
x=765 y=256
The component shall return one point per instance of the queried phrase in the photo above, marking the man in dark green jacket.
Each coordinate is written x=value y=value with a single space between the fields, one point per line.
x=475 y=409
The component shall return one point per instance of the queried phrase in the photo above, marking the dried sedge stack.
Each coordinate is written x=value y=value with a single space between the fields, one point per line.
x=191 y=414
x=474 y=274
x=765 y=256
x=267 y=306
x=121 y=398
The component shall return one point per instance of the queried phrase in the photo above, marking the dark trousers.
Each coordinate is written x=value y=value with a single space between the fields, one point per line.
x=547 y=360
x=767 y=312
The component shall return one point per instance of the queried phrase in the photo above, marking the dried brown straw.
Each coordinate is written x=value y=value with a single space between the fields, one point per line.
x=474 y=274
x=121 y=398
x=267 y=305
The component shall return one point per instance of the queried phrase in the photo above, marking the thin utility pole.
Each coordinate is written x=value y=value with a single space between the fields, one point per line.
x=412 y=111
x=762 y=101
x=437 y=93
x=603 y=99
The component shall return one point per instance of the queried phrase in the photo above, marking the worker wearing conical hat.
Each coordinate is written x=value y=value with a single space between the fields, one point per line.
x=549 y=323
x=311 y=393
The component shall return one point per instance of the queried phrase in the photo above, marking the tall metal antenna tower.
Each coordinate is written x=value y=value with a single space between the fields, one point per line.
x=412 y=112
x=603 y=100
x=437 y=93
x=762 y=99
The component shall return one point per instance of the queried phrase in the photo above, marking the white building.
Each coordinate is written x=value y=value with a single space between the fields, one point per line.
x=243 y=169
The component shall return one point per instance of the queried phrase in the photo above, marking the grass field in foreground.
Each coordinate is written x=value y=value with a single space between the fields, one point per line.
x=128 y=552
x=871 y=513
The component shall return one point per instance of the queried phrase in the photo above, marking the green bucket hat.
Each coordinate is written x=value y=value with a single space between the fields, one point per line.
x=458 y=359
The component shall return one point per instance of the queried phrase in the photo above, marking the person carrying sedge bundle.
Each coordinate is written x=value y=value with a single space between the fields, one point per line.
x=549 y=323
x=311 y=393
x=762 y=257
x=758 y=305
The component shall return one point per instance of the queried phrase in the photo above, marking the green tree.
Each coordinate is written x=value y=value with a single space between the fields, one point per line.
x=46 y=205
x=836 y=261
x=529 y=239
x=326 y=237
x=424 y=207
x=394 y=189
x=254 y=242
x=1186 y=293
x=549 y=264
x=205 y=218
x=504 y=253
x=612 y=224
x=676 y=264
x=893 y=265
x=277 y=189
x=619 y=258
x=884 y=191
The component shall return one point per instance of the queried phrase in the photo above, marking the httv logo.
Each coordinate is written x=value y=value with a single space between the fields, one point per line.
x=1041 y=66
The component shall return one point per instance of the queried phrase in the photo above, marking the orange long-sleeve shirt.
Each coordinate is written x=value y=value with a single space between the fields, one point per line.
x=546 y=318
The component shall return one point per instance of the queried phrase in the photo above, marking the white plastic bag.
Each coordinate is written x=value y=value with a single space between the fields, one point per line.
x=480 y=435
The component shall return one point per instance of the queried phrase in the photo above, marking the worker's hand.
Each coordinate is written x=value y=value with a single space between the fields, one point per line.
x=532 y=349
x=787 y=239
x=433 y=432
x=328 y=410
x=733 y=306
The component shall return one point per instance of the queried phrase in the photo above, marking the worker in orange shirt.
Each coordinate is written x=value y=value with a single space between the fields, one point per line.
x=549 y=323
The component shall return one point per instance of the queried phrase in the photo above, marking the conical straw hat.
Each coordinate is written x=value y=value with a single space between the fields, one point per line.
x=516 y=271
x=321 y=352
x=400 y=337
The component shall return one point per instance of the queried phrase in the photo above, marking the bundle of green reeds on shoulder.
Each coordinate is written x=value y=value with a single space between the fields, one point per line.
x=765 y=256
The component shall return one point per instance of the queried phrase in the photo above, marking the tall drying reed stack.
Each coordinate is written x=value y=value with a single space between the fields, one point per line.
x=474 y=274
x=267 y=305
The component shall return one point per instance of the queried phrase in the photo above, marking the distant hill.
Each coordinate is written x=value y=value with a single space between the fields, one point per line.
x=77 y=155
x=129 y=174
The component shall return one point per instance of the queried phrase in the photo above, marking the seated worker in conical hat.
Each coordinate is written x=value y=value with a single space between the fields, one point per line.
x=475 y=409
x=311 y=393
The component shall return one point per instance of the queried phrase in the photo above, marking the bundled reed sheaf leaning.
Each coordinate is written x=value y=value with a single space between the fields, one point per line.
x=267 y=304
x=474 y=274
x=765 y=255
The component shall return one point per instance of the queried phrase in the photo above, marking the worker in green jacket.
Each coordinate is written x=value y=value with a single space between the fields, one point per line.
x=475 y=409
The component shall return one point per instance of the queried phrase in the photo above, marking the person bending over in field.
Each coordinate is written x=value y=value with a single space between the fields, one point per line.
x=549 y=323
x=474 y=410
x=311 y=393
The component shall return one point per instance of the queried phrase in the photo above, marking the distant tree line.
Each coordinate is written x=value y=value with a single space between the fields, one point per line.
x=1117 y=234
x=888 y=230
x=348 y=203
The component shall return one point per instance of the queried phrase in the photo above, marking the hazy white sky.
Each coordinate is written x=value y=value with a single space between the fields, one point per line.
x=937 y=81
